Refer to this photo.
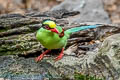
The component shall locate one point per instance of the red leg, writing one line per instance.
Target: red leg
(60, 55)
(42, 55)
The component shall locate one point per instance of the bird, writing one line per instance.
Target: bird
(52, 36)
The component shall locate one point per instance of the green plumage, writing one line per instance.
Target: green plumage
(52, 36)
(51, 40)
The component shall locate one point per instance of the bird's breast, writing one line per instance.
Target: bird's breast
(50, 40)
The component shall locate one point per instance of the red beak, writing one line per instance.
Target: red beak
(54, 30)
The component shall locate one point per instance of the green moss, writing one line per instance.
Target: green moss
(2, 30)
(9, 53)
(9, 49)
(18, 45)
(79, 76)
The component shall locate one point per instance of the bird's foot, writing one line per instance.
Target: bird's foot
(41, 56)
(60, 55)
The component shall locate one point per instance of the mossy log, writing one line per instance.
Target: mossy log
(17, 32)
(17, 36)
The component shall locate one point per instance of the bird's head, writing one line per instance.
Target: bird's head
(50, 25)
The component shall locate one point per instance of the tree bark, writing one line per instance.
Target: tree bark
(17, 37)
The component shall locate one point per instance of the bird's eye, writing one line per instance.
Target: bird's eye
(46, 27)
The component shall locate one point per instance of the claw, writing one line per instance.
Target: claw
(41, 56)
(60, 55)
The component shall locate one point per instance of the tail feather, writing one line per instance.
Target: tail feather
(76, 29)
